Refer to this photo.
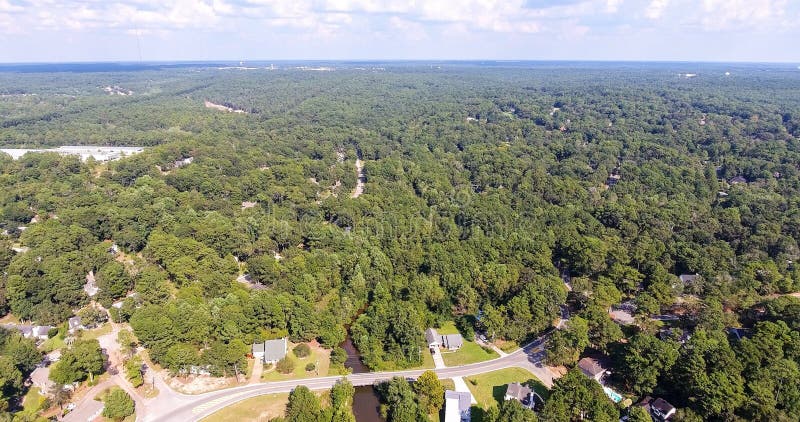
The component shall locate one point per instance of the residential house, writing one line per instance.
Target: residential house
(182, 162)
(40, 331)
(660, 410)
(448, 341)
(689, 279)
(25, 330)
(452, 341)
(456, 406)
(524, 395)
(74, 324)
(592, 368)
(271, 351)
(737, 180)
(433, 338)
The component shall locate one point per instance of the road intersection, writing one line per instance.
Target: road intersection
(170, 405)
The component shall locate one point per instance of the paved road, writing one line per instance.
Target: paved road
(181, 407)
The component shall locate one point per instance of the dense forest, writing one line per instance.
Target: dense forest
(487, 187)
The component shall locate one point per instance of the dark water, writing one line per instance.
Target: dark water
(366, 405)
(353, 358)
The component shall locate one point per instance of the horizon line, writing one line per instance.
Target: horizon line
(378, 60)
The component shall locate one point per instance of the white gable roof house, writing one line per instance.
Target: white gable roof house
(456, 406)
(271, 351)
(446, 341)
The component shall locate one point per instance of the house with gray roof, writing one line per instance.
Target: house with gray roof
(75, 324)
(40, 331)
(433, 338)
(456, 406)
(452, 341)
(271, 351)
(592, 368)
(524, 395)
(447, 341)
(689, 279)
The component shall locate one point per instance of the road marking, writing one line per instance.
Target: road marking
(205, 406)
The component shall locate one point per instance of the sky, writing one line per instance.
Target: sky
(202, 30)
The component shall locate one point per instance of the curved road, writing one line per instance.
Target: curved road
(180, 407)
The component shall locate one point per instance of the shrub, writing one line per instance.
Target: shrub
(118, 404)
(338, 356)
(285, 365)
(301, 350)
(310, 367)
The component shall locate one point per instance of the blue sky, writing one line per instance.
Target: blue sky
(127, 30)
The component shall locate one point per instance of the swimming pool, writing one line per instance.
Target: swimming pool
(613, 395)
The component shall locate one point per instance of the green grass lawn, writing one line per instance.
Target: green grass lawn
(318, 356)
(427, 360)
(470, 352)
(260, 408)
(448, 327)
(489, 388)
(97, 332)
(53, 343)
(33, 401)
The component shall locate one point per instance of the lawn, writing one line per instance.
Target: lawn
(97, 332)
(448, 327)
(53, 343)
(427, 360)
(33, 401)
(261, 408)
(318, 355)
(470, 352)
(489, 388)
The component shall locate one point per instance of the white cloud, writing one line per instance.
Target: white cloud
(656, 9)
(730, 14)
(411, 30)
(365, 17)
(612, 6)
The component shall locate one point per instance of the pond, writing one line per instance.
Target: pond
(366, 406)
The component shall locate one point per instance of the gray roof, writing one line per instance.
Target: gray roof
(258, 348)
(464, 398)
(452, 341)
(432, 336)
(74, 322)
(662, 406)
(518, 391)
(41, 330)
(26, 330)
(689, 278)
(591, 367)
(275, 349)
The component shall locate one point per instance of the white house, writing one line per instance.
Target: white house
(271, 351)
(456, 406)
